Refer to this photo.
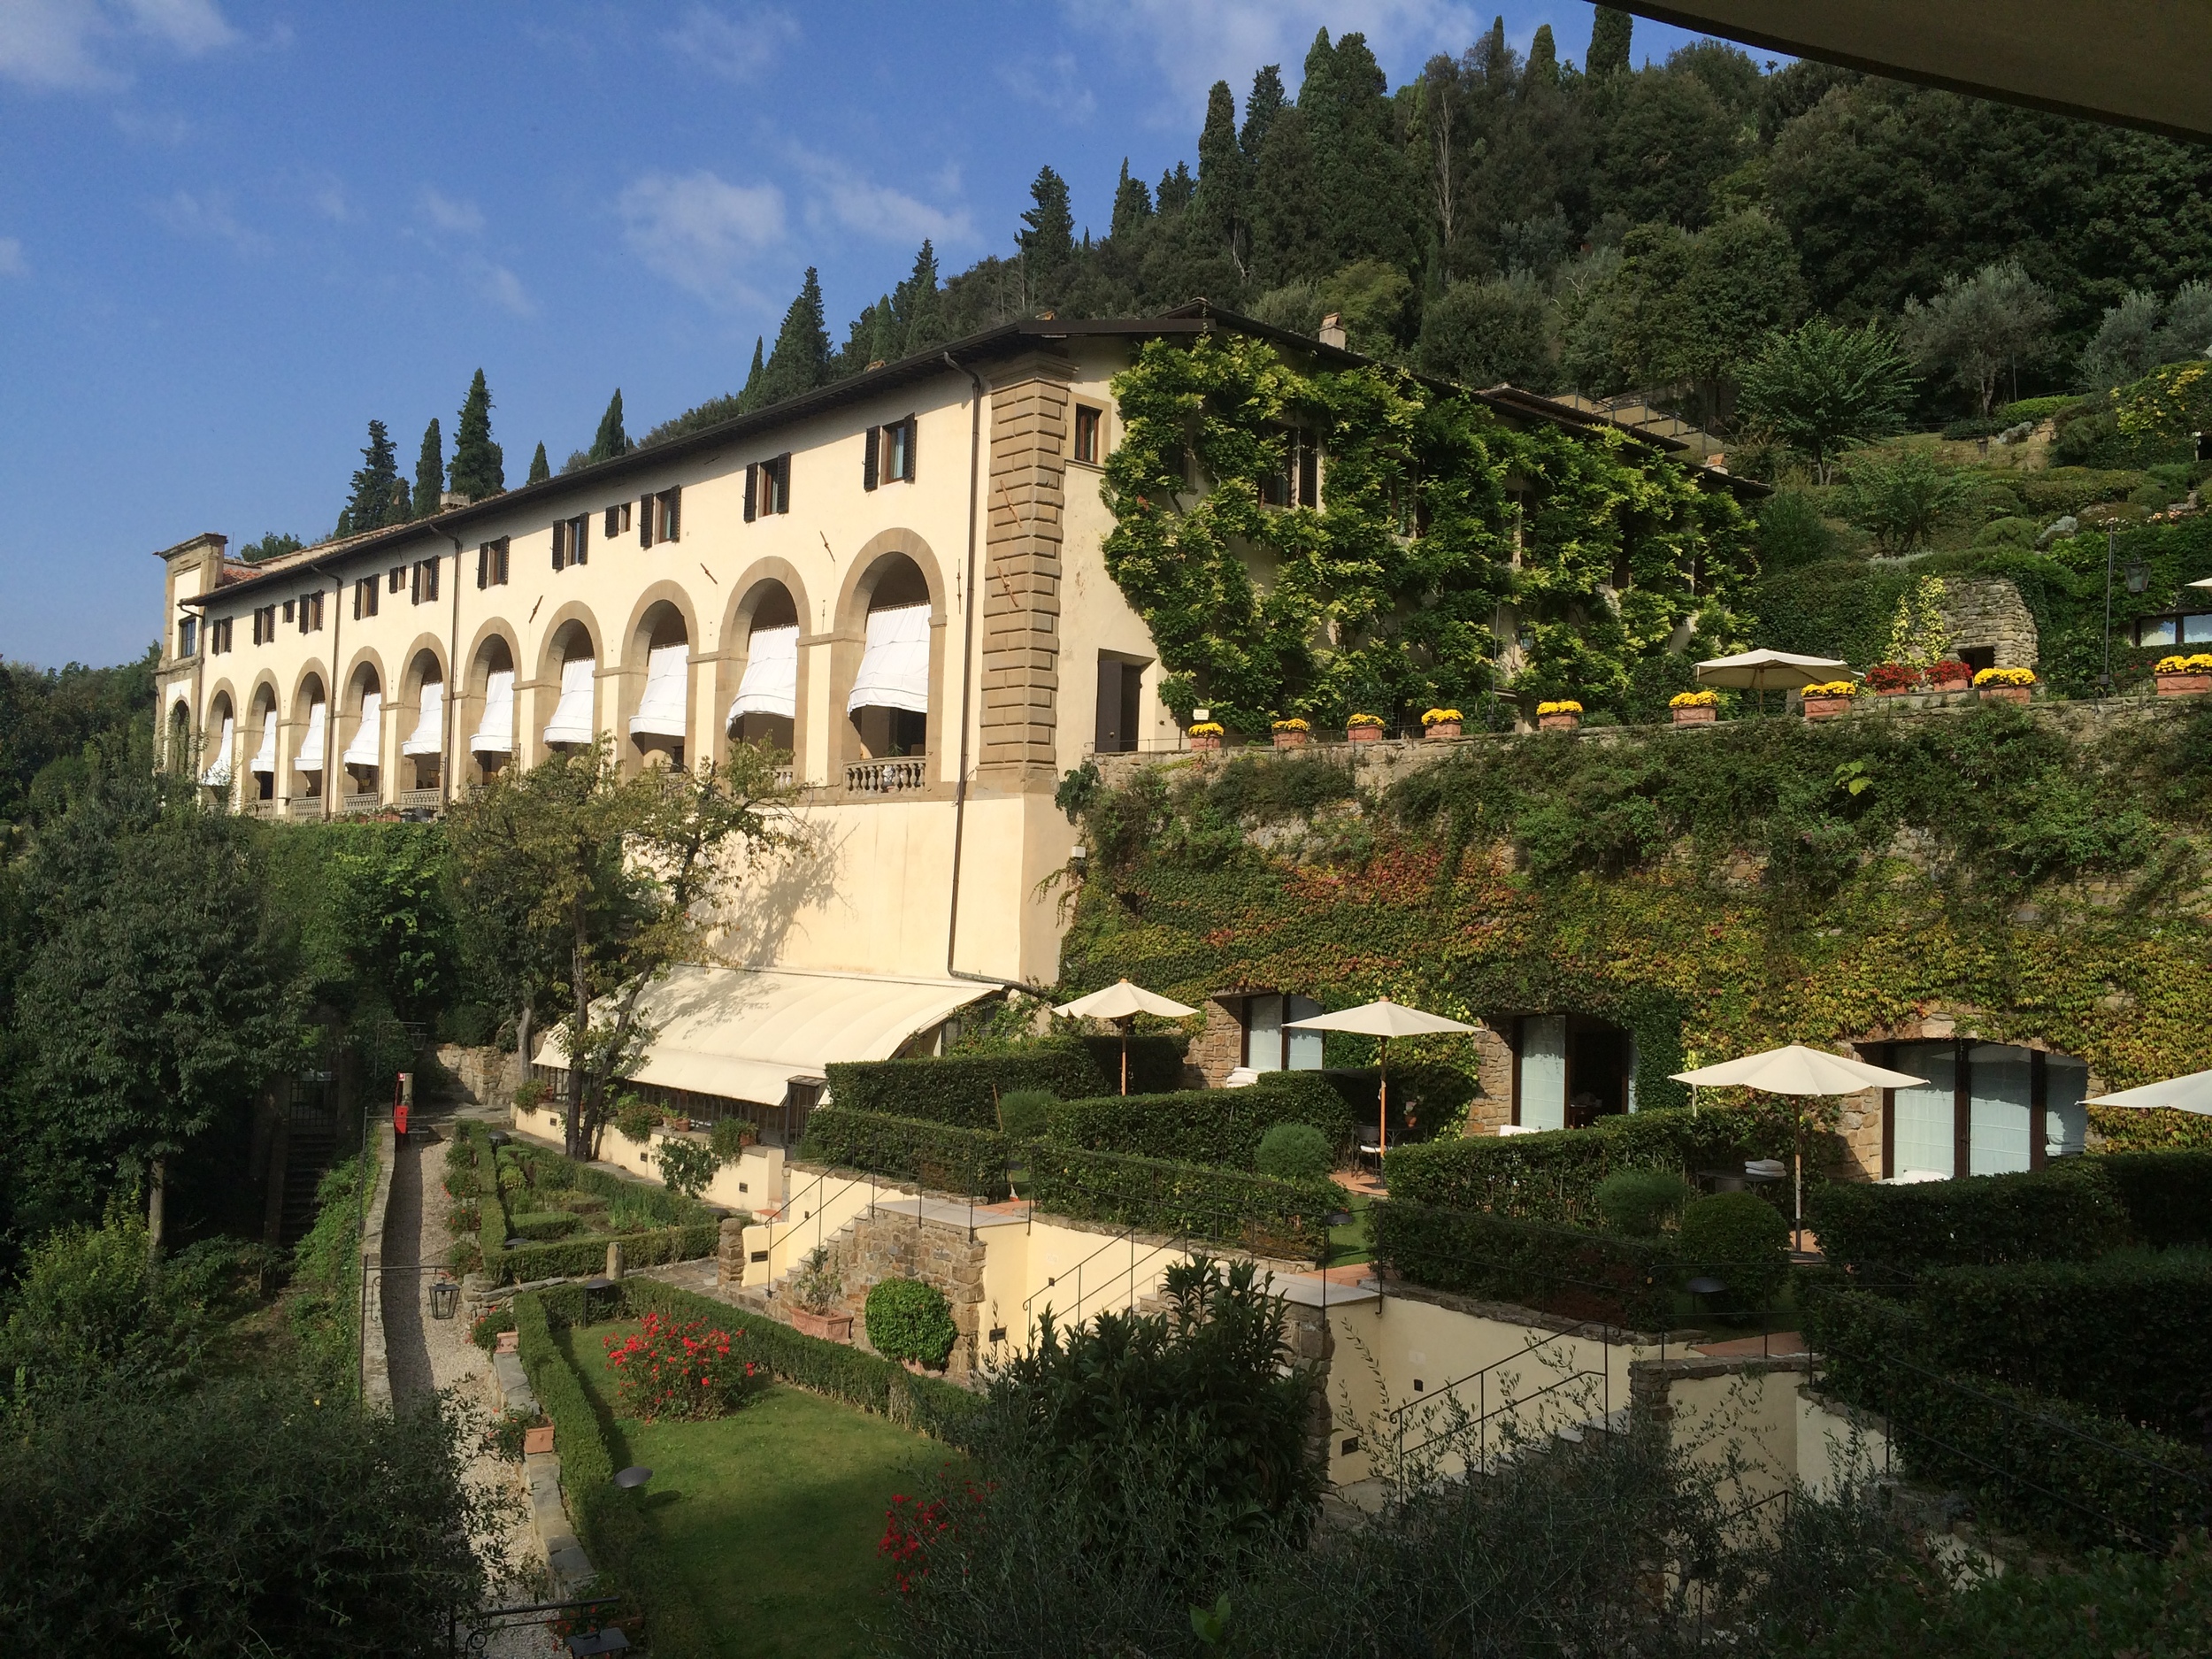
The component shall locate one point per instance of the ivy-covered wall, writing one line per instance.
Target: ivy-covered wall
(1716, 890)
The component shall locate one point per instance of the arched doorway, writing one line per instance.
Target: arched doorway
(422, 751)
(765, 709)
(215, 769)
(889, 705)
(263, 725)
(311, 721)
(361, 766)
(663, 721)
(492, 685)
(573, 722)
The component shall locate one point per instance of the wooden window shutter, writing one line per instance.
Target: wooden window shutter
(613, 524)
(1309, 470)
(580, 539)
(483, 562)
(645, 521)
(868, 458)
(752, 487)
(913, 430)
(673, 502)
(560, 544)
(783, 482)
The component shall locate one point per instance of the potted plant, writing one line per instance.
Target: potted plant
(1291, 733)
(1564, 715)
(1828, 699)
(2005, 685)
(1695, 708)
(1949, 675)
(813, 1290)
(1364, 728)
(1892, 679)
(2184, 676)
(1205, 735)
(1440, 723)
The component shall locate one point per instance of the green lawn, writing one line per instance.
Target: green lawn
(770, 1516)
(1354, 1241)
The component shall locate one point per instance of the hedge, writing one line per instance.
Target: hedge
(1256, 1212)
(1156, 1062)
(2168, 1195)
(1555, 1176)
(2068, 1212)
(1538, 1263)
(940, 1155)
(1220, 1127)
(2034, 1462)
(962, 1091)
(695, 1235)
(578, 1258)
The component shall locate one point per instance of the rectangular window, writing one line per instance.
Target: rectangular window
(426, 581)
(660, 517)
(365, 601)
(617, 521)
(1120, 684)
(1295, 480)
(188, 636)
(768, 488)
(491, 564)
(572, 541)
(287, 609)
(1087, 421)
(265, 623)
(397, 578)
(887, 455)
(312, 612)
(2195, 629)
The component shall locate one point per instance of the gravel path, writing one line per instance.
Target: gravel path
(407, 1295)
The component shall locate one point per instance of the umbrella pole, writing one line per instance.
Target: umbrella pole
(1382, 1100)
(1124, 1052)
(1797, 1178)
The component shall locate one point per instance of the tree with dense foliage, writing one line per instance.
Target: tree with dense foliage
(479, 468)
(429, 471)
(274, 544)
(610, 442)
(1047, 239)
(49, 718)
(541, 468)
(801, 359)
(1821, 389)
(371, 502)
(1981, 327)
(2142, 332)
(595, 884)
(1609, 34)
(1481, 334)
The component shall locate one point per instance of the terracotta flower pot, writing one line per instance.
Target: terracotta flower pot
(1895, 691)
(1291, 740)
(1696, 714)
(1362, 734)
(1558, 722)
(2007, 693)
(830, 1327)
(1826, 708)
(1442, 729)
(2183, 685)
(1205, 741)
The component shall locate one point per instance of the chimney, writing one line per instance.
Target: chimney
(449, 499)
(1333, 331)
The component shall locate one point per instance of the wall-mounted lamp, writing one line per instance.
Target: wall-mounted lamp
(2139, 576)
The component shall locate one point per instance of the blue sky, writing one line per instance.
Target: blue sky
(231, 232)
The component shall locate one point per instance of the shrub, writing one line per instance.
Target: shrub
(504, 1437)
(1293, 1152)
(634, 1121)
(484, 1332)
(542, 1226)
(909, 1319)
(1218, 1126)
(2036, 408)
(686, 1372)
(963, 1090)
(2008, 531)
(815, 1284)
(1792, 532)
(687, 1166)
(1889, 1235)
(940, 1155)
(1536, 1264)
(1639, 1201)
(730, 1137)
(1741, 1239)
(1026, 1113)
(1263, 1215)
(1900, 498)
(2168, 1195)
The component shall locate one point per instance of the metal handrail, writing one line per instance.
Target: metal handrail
(1125, 1236)
(1572, 1330)
(1481, 1424)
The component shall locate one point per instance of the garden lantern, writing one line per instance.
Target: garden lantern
(629, 1480)
(445, 1299)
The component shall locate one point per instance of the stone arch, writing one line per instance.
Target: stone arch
(662, 617)
(571, 632)
(769, 588)
(494, 648)
(222, 704)
(365, 678)
(895, 567)
(425, 664)
(263, 699)
(309, 690)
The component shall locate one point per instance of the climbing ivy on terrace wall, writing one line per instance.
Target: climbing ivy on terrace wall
(1265, 612)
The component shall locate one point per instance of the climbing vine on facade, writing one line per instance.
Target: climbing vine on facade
(1383, 595)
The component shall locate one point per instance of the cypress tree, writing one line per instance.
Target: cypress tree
(1543, 59)
(886, 340)
(801, 359)
(541, 468)
(1177, 187)
(369, 507)
(917, 316)
(1220, 201)
(479, 469)
(1609, 43)
(610, 440)
(748, 394)
(1132, 205)
(429, 471)
(1260, 110)
(1289, 239)
(1048, 237)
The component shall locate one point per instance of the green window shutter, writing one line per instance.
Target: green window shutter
(868, 458)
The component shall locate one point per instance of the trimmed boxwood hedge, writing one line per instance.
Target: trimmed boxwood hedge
(2070, 1212)
(694, 1232)
(942, 1157)
(1156, 1062)
(1257, 1212)
(1544, 1264)
(2168, 1195)
(1220, 1127)
(1555, 1176)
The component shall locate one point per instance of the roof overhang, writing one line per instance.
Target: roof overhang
(2132, 63)
(745, 1033)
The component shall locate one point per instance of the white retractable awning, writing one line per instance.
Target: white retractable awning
(744, 1034)
(429, 737)
(771, 685)
(895, 668)
(660, 710)
(264, 758)
(571, 721)
(496, 731)
(311, 746)
(368, 737)
(217, 772)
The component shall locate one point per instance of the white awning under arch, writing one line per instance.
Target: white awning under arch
(217, 772)
(496, 731)
(264, 758)
(745, 1032)
(311, 746)
(895, 668)
(771, 685)
(429, 737)
(571, 721)
(660, 710)
(368, 737)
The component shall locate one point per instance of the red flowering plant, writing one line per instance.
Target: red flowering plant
(681, 1370)
(1892, 677)
(912, 1527)
(1949, 675)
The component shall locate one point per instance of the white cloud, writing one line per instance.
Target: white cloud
(499, 285)
(74, 43)
(699, 231)
(12, 258)
(1052, 84)
(461, 217)
(840, 195)
(736, 46)
(210, 217)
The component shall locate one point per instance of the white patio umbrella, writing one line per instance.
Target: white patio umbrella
(2189, 1093)
(1383, 1019)
(1797, 1070)
(1765, 671)
(1121, 1003)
